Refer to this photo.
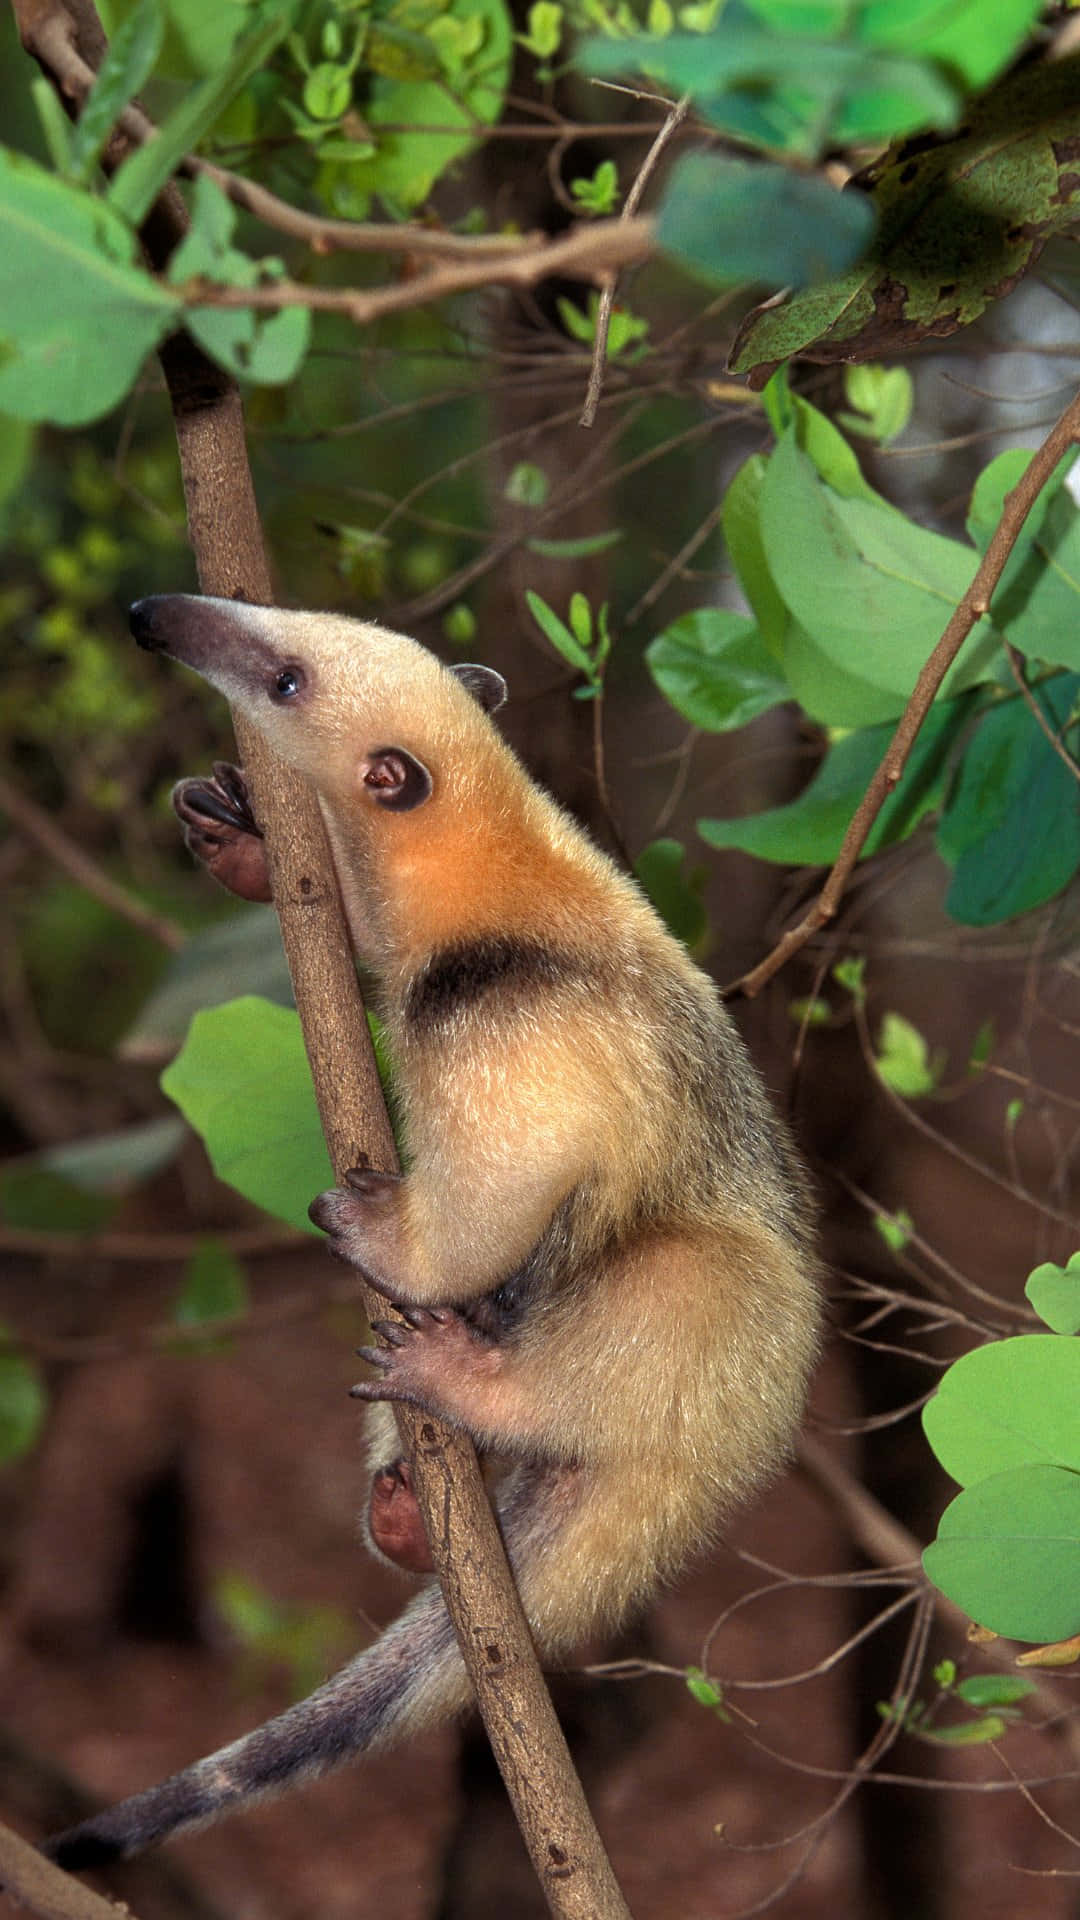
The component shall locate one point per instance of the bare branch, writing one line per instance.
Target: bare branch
(607, 293)
(45, 834)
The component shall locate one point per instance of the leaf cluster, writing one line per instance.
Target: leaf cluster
(847, 598)
(1005, 1423)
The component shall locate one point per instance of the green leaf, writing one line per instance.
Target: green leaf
(809, 830)
(984, 203)
(266, 348)
(965, 1733)
(741, 523)
(136, 185)
(527, 486)
(459, 625)
(558, 633)
(598, 192)
(994, 1689)
(1037, 601)
(903, 1058)
(242, 1081)
(214, 1287)
(1011, 827)
(968, 37)
(579, 549)
(129, 59)
(23, 1403)
(884, 395)
(407, 161)
(870, 593)
(1009, 1404)
(208, 29)
(1054, 1292)
(545, 25)
(79, 317)
(240, 952)
(678, 898)
(705, 1692)
(782, 90)
(738, 223)
(895, 1229)
(33, 1198)
(715, 669)
(1008, 1551)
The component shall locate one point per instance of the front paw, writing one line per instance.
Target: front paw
(429, 1352)
(220, 830)
(360, 1222)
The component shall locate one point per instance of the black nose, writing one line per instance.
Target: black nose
(145, 622)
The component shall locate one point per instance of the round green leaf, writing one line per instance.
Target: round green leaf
(1007, 1405)
(715, 669)
(1054, 1292)
(242, 1081)
(77, 315)
(1008, 1552)
(738, 223)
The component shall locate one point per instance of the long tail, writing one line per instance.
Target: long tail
(412, 1676)
(585, 1545)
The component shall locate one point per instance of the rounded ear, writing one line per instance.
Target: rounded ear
(487, 687)
(395, 779)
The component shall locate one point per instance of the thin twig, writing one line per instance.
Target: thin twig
(36, 825)
(607, 292)
(974, 605)
(1016, 667)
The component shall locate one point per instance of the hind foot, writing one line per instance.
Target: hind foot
(394, 1519)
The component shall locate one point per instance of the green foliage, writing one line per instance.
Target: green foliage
(23, 1402)
(129, 60)
(598, 192)
(706, 1693)
(715, 669)
(303, 1642)
(903, 1059)
(883, 398)
(895, 1229)
(425, 63)
(583, 644)
(793, 80)
(992, 1699)
(1054, 1292)
(268, 348)
(138, 182)
(79, 317)
(848, 598)
(677, 896)
(1005, 1423)
(242, 1081)
(985, 201)
(214, 1287)
(735, 222)
(624, 327)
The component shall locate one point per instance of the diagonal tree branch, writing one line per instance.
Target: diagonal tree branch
(975, 603)
(226, 537)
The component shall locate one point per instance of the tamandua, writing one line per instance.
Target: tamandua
(603, 1244)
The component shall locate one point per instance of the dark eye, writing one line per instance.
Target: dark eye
(287, 683)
